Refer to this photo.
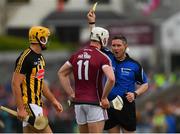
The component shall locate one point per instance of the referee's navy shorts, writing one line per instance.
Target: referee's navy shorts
(126, 118)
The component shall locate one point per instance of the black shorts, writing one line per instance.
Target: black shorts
(126, 118)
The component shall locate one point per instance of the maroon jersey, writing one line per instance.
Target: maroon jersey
(87, 66)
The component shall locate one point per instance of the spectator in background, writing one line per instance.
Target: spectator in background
(88, 66)
(3, 94)
(28, 80)
(128, 73)
(170, 119)
(177, 115)
(159, 121)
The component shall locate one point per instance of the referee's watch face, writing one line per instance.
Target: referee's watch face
(118, 48)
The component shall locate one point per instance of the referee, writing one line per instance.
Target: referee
(128, 74)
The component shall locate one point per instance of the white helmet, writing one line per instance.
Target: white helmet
(100, 34)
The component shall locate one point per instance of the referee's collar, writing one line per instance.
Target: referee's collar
(126, 58)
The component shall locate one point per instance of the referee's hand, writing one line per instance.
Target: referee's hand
(130, 96)
(91, 16)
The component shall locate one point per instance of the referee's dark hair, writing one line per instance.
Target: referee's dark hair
(120, 37)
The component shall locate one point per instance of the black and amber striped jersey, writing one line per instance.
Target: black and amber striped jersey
(32, 65)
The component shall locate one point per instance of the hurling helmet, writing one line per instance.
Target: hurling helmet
(39, 34)
(100, 34)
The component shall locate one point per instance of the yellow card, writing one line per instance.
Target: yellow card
(94, 6)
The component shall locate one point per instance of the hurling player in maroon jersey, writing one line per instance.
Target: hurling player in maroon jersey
(89, 96)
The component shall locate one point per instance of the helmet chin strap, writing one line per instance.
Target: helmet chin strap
(43, 46)
(100, 41)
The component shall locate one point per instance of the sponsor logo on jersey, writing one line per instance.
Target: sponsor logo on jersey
(40, 74)
(35, 63)
(125, 71)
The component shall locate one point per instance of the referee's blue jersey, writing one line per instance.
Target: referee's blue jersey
(128, 73)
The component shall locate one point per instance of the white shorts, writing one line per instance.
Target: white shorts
(89, 114)
(36, 111)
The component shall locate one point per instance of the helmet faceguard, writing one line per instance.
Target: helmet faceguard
(39, 35)
(100, 34)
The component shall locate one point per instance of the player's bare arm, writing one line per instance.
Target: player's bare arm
(17, 79)
(108, 71)
(47, 93)
(63, 75)
(132, 96)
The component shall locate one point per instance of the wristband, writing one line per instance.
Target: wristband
(91, 23)
(135, 95)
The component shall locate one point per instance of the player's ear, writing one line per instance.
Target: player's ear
(127, 49)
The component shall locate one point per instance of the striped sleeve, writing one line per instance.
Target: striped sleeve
(141, 76)
(21, 63)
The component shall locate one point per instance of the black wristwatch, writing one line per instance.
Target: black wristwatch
(92, 23)
(135, 94)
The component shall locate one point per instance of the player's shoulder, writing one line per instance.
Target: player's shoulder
(106, 51)
(133, 61)
(24, 54)
(102, 54)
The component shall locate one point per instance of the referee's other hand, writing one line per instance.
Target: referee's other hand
(130, 96)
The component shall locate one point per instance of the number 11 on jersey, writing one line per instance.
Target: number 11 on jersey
(81, 63)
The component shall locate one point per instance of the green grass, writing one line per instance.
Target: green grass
(10, 43)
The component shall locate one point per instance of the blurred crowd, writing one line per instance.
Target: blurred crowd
(161, 113)
(158, 115)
